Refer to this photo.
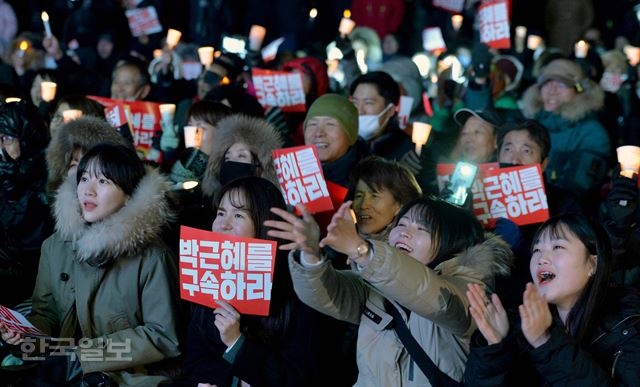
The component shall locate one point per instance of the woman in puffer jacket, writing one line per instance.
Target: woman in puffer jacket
(572, 329)
(420, 275)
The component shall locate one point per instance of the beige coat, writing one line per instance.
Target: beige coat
(440, 319)
(130, 300)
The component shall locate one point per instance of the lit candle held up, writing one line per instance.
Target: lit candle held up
(71, 114)
(24, 45)
(206, 56)
(48, 91)
(534, 42)
(313, 14)
(256, 37)
(167, 112)
(420, 135)
(521, 33)
(47, 26)
(192, 137)
(346, 24)
(629, 159)
(456, 22)
(581, 48)
(173, 37)
(12, 99)
(633, 55)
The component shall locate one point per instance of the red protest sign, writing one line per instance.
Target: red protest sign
(279, 88)
(217, 266)
(494, 24)
(301, 179)
(515, 193)
(144, 120)
(454, 6)
(143, 21)
(16, 322)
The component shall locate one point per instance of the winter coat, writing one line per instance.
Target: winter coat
(579, 143)
(24, 207)
(260, 137)
(339, 171)
(393, 144)
(440, 320)
(611, 356)
(82, 134)
(112, 280)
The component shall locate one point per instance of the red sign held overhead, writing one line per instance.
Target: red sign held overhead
(495, 24)
(279, 88)
(515, 193)
(224, 267)
(143, 21)
(301, 179)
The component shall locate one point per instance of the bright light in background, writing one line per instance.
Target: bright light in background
(233, 45)
(313, 13)
(346, 13)
(333, 52)
(450, 61)
(423, 63)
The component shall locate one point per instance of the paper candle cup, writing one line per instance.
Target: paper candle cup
(456, 21)
(48, 91)
(206, 56)
(581, 48)
(173, 37)
(629, 159)
(346, 24)
(47, 26)
(71, 114)
(534, 42)
(167, 111)
(192, 137)
(521, 32)
(633, 54)
(420, 135)
(256, 37)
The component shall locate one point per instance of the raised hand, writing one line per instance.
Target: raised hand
(303, 233)
(490, 316)
(228, 322)
(535, 316)
(342, 235)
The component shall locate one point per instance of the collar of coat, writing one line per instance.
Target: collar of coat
(488, 259)
(125, 232)
(589, 101)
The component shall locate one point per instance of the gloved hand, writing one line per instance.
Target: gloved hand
(411, 160)
(622, 200)
(169, 140)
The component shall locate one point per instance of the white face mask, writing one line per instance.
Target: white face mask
(369, 124)
(611, 81)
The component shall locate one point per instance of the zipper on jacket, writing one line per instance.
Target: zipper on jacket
(616, 356)
(612, 329)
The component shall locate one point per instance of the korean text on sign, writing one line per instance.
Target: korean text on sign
(143, 21)
(223, 267)
(494, 24)
(300, 176)
(279, 88)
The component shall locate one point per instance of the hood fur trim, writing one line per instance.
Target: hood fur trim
(260, 136)
(489, 258)
(589, 101)
(83, 133)
(125, 232)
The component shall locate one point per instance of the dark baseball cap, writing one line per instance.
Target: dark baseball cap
(489, 116)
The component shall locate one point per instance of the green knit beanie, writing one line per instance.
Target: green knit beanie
(340, 108)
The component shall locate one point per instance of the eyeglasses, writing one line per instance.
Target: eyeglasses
(7, 140)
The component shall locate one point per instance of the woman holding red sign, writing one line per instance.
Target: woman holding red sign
(287, 348)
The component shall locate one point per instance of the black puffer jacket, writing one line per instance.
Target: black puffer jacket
(24, 212)
(612, 357)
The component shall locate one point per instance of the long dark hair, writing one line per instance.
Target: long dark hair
(260, 195)
(586, 312)
(452, 229)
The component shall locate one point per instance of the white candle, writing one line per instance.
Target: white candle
(173, 37)
(629, 159)
(48, 91)
(71, 114)
(192, 137)
(346, 24)
(420, 135)
(24, 45)
(167, 112)
(456, 21)
(256, 37)
(534, 42)
(521, 33)
(581, 48)
(47, 26)
(206, 56)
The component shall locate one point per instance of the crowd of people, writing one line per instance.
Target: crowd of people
(399, 285)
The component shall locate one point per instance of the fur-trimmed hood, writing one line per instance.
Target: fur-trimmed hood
(589, 101)
(260, 136)
(488, 259)
(125, 232)
(83, 133)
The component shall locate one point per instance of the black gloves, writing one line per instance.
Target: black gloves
(622, 200)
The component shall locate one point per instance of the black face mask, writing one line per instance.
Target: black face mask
(232, 170)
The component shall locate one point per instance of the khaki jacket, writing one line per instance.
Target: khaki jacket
(440, 320)
(127, 303)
